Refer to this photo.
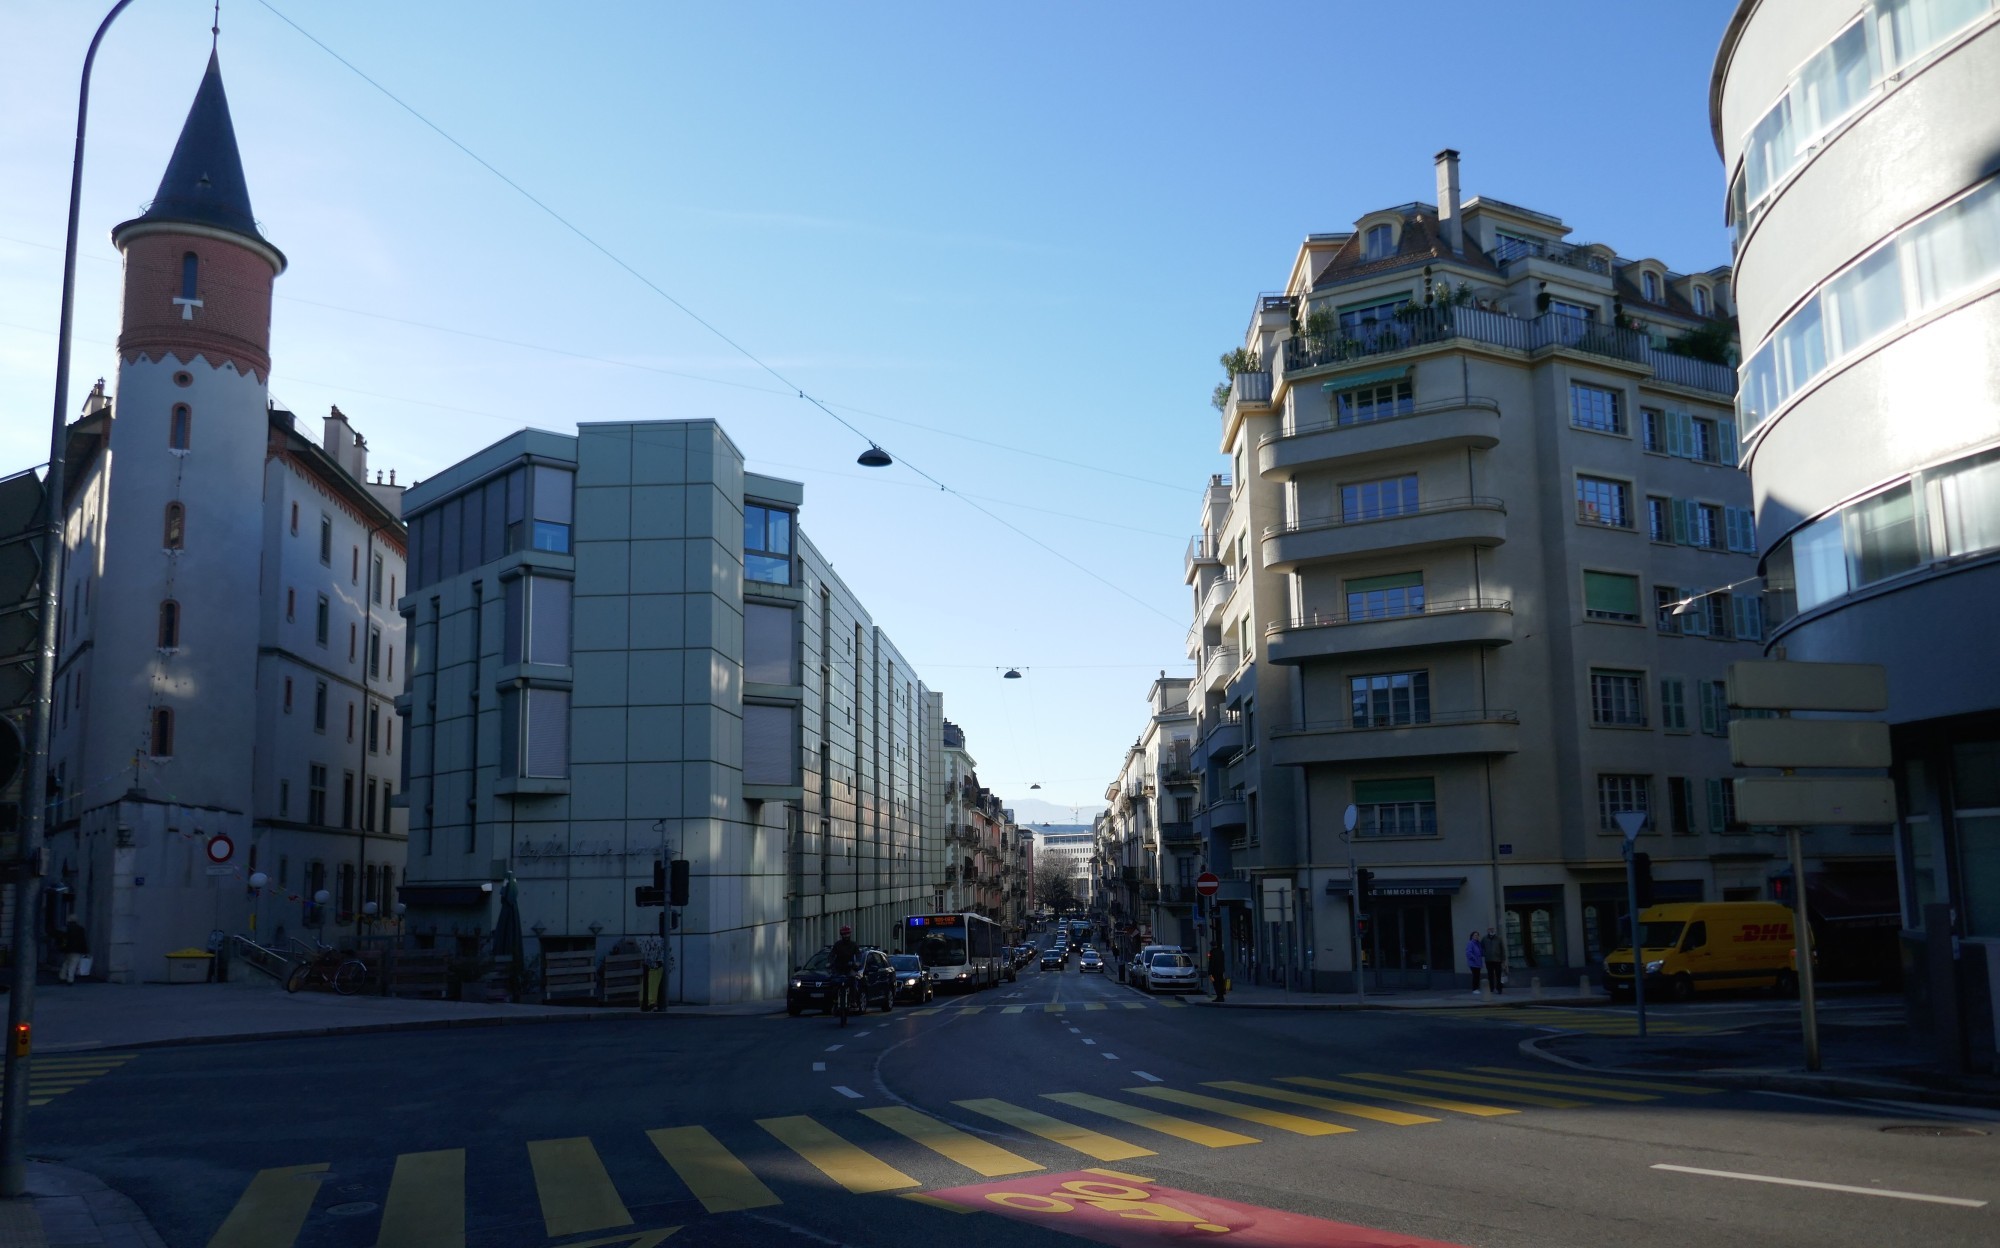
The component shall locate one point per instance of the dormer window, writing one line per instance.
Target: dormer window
(1701, 300)
(1378, 242)
(1651, 284)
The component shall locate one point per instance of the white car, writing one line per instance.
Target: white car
(1138, 974)
(1172, 972)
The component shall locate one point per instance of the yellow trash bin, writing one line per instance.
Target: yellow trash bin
(188, 966)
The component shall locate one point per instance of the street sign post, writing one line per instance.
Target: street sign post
(1630, 822)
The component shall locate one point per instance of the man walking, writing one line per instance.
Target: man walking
(1494, 954)
(1218, 971)
(75, 948)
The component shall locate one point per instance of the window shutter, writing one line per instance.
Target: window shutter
(1741, 526)
(1718, 814)
(1681, 522)
(1726, 435)
(1708, 706)
(1680, 434)
(1752, 628)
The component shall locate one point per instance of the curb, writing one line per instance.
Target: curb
(1389, 1008)
(76, 1209)
(1805, 1082)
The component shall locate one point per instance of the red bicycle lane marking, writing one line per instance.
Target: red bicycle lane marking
(1127, 1211)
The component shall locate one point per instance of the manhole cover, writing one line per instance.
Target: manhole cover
(353, 1207)
(1932, 1130)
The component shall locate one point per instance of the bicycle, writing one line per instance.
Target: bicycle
(844, 1002)
(328, 970)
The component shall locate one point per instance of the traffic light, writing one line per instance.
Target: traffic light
(1642, 879)
(1364, 879)
(677, 895)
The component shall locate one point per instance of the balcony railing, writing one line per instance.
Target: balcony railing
(1250, 388)
(1569, 255)
(1681, 370)
(1372, 724)
(1202, 548)
(1293, 428)
(1556, 329)
(1329, 619)
(1477, 502)
(1616, 517)
(1218, 662)
(1218, 593)
(1217, 719)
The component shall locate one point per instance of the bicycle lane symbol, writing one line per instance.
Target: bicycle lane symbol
(1127, 1211)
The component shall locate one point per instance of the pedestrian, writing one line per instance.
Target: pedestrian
(1218, 972)
(75, 947)
(1494, 953)
(1475, 958)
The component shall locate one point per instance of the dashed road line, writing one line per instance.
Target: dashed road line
(847, 1092)
(1826, 1187)
(1148, 1078)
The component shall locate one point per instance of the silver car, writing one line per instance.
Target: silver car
(1172, 972)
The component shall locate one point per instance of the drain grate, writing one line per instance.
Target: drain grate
(1938, 1129)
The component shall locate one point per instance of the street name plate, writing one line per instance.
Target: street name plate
(1808, 743)
(1811, 801)
(1770, 685)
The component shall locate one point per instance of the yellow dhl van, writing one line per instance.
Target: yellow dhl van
(1696, 946)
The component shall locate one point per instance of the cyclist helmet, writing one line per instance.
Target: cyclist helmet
(847, 931)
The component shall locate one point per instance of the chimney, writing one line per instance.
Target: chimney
(96, 401)
(1450, 228)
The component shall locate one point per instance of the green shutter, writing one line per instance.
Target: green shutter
(1708, 706)
(1382, 792)
(1398, 580)
(1726, 435)
(1608, 593)
(1681, 523)
(1718, 814)
(1680, 434)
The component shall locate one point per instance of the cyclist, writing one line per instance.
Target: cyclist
(844, 959)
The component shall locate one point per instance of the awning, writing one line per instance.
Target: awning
(1372, 378)
(445, 894)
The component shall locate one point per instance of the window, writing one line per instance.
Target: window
(1379, 597)
(1618, 793)
(354, 566)
(1611, 596)
(1722, 805)
(350, 721)
(368, 825)
(1617, 699)
(1747, 614)
(346, 799)
(1595, 407)
(767, 544)
(1882, 537)
(326, 540)
(1575, 311)
(554, 497)
(374, 651)
(538, 621)
(190, 275)
(1673, 704)
(1374, 500)
(1969, 506)
(1651, 285)
(1600, 500)
(1653, 428)
(1665, 599)
(170, 625)
(288, 695)
(319, 706)
(770, 745)
(163, 732)
(284, 809)
(769, 651)
(291, 605)
(391, 666)
(176, 527)
(180, 427)
(534, 733)
(1705, 526)
(295, 519)
(1359, 320)
(1715, 712)
(388, 804)
(1680, 806)
(344, 897)
(375, 579)
(1660, 519)
(1390, 698)
(322, 620)
(1362, 404)
(1379, 242)
(1395, 808)
(1701, 300)
(353, 636)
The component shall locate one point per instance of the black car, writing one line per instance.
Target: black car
(811, 987)
(1052, 960)
(914, 981)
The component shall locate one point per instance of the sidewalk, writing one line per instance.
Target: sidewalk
(1857, 1059)
(1262, 997)
(70, 1209)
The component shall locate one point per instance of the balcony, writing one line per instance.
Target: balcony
(1202, 552)
(1585, 256)
(1444, 734)
(1681, 370)
(1476, 521)
(1249, 390)
(1179, 895)
(1445, 425)
(1460, 622)
(1225, 816)
(1218, 663)
(1179, 833)
(1214, 600)
(1223, 735)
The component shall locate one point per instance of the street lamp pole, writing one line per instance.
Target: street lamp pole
(35, 780)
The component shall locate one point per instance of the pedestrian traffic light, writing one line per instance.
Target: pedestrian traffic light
(1364, 879)
(1642, 879)
(678, 894)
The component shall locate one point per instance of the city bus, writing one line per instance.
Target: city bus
(962, 950)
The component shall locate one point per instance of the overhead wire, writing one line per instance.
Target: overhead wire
(698, 319)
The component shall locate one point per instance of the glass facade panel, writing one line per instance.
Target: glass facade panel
(1819, 563)
(1970, 499)
(1374, 500)
(1866, 300)
(1882, 536)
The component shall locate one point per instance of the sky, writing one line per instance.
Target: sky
(1006, 241)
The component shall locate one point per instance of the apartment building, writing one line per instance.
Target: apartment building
(223, 753)
(626, 647)
(1863, 156)
(1145, 838)
(1479, 565)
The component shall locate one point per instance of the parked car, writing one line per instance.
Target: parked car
(1172, 971)
(1052, 960)
(914, 981)
(1007, 967)
(1091, 961)
(1026, 954)
(1139, 972)
(811, 985)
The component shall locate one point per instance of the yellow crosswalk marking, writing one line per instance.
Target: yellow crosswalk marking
(575, 1189)
(1394, 1117)
(971, 1009)
(1540, 1085)
(1641, 1084)
(851, 1167)
(272, 1209)
(1055, 1130)
(1519, 1098)
(1166, 1124)
(720, 1182)
(1133, 1005)
(1401, 1098)
(1174, 1005)
(1053, 1007)
(1294, 1123)
(923, 1013)
(425, 1207)
(1096, 1005)
(1012, 1009)
(948, 1141)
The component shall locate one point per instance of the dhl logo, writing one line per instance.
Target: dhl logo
(1757, 933)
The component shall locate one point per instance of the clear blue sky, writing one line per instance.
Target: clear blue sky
(1007, 240)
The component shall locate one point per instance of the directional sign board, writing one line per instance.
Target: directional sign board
(1773, 685)
(1811, 801)
(1809, 743)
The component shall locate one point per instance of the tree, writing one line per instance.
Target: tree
(1054, 886)
(1234, 362)
(1714, 341)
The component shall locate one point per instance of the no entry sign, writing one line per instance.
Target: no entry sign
(1207, 883)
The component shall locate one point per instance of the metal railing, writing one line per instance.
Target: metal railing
(1569, 255)
(1477, 502)
(1218, 593)
(1577, 333)
(271, 961)
(1202, 548)
(1250, 387)
(1331, 619)
(1609, 517)
(1220, 719)
(1430, 719)
(1224, 658)
(1320, 425)
(1683, 370)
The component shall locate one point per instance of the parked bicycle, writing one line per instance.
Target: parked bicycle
(328, 970)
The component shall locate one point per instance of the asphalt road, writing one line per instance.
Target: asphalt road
(1063, 1108)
